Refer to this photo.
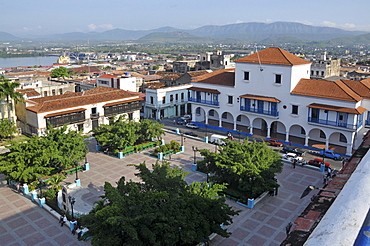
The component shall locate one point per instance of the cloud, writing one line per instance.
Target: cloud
(346, 26)
(93, 27)
(30, 29)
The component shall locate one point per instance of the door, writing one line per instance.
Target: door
(315, 115)
(342, 119)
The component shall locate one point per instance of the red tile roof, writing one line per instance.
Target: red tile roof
(358, 110)
(326, 89)
(29, 92)
(220, 77)
(262, 98)
(274, 56)
(362, 87)
(107, 76)
(75, 99)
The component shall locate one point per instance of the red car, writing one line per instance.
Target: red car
(274, 142)
(317, 163)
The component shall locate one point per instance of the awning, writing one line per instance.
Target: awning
(261, 98)
(204, 90)
(358, 110)
(64, 112)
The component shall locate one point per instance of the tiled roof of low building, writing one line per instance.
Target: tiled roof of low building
(198, 73)
(75, 99)
(275, 56)
(30, 92)
(108, 76)
(220, 77)
(169, 75)
(326, 89)
(358, 110)
(362, 87)
(86, 69)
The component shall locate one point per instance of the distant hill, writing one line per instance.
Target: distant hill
(250, 32)
(5, 37)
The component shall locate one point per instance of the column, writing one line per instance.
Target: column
(268, 132)
(326, 143)
(251, 130)
(349, 149)
(234, 125)
(220, 122)
(286, 136)
(306, 140)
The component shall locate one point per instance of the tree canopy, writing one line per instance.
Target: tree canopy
(161, 210)
(41, 156)
(61, 72)
(7, 128)
(237, 163)
(8, 92)
(122, 133)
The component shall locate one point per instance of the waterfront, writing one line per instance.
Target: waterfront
(27, 61)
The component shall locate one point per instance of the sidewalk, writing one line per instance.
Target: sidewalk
(262, 225)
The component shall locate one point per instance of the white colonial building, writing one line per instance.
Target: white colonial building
(167, 102)
(81, 111)
(271, 93)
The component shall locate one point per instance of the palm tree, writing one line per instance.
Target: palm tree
(8, 92)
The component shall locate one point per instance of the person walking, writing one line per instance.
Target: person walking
(294, 163)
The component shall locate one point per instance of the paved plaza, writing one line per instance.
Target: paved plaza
(24, 223)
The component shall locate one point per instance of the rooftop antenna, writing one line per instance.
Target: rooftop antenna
(259, 60)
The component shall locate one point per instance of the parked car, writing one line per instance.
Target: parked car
(180, 121)
(297, 151)
(186, 117)
(191, 134)
(317, 163)
(291, 157)
(217, 139)
(273, 142)
(192, 125)
(330, 154)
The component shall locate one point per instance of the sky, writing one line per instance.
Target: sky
(39, 17)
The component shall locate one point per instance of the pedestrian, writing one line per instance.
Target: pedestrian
(74, 228)
(290, 143)
(61, 219)
(276, 190)
(184, 139)
(304, 162)
(324, 180)
(18, 186)
(64, 220)
(294, 163)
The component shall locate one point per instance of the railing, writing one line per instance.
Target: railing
(332, 123)
(66, 119)
(214, 103)
(258, 111)
(94, 115)
(122, 108)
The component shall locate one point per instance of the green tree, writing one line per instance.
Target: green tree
(60, 72)
(41, 156)
(161, 210)
(7, 128)
(149, 129)
(179, 58)
(8, 92)
(119, 134)
(237, 162)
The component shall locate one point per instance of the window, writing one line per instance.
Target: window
(60, 91)
(342, 138)
(151, 100)
(80, 127)
(163, 100)
(177, 97)
(246, 75)
(53, 92)
(312, 72)
(230, 99)
(45, 93)
(322, 73)
(171, 98)
(278, 78)
(197, 111)
(211, 113)
(103, 82)
(182, 96)
(294, 109)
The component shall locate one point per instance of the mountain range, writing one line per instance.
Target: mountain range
(250, 32)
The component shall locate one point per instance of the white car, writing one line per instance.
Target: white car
(186, 117)
(292, 156)
(192, 125)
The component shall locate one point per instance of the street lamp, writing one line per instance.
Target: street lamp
(182, 139)
(76, 167)
(180, 235)
(251, 181)
(195, 149)
(41, 181)
(72, 201)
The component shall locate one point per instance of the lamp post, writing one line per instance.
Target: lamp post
(72, 201)
(76, 167)
(195, 149)
(182, 139)
(180, 235)
(41, 181)
(251, 181)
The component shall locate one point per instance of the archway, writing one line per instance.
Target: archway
(243, 123)
(317, 138)
(213, 117)
(278, 130)
(259, 126)
(227, 120)
(297, 134)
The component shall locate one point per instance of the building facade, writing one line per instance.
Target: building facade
(81, 111)
(270, 93)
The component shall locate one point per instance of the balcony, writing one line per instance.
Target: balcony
(60, 120)
(259, 111)
(94, 115)
(122, 108)
(213, 103)
(334, 123)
